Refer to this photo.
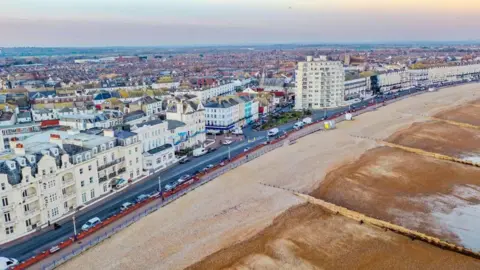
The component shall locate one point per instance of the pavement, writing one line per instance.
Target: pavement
(27, 247)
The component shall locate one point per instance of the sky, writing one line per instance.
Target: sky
(206, 22)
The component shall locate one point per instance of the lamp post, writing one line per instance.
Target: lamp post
(159, 184)
(74, 226)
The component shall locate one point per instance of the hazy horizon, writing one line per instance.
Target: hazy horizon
(149, 23)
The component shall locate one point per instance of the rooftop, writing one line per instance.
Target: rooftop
(159, 149)
(173, 124)
(150, 123)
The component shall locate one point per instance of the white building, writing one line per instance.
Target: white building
(44, 114)
(319, 84)
(50, 175)
(88, 121)
(357, 88)
(393, 81)
(151, 133)
(191, 113)
(205, 93)
(231, 112)
(159, 158)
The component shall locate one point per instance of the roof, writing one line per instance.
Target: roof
(24, 115)
(173, 124)
(150, 123)
(159, 149)
(122, 134)
(133, 115)
(5, 116)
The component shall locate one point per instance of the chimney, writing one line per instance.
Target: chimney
(109, 133)
(56, 139)
(19, 149)
(13, 142)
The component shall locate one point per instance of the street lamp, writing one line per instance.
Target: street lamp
(74, 226)
(159, 184)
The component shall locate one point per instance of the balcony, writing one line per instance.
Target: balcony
(68, 182)
(111, 163)
(69, 195)
(111, 175)
(30, 198)
(122, 170)
(32, 212)
(12, 221)
(102, 179)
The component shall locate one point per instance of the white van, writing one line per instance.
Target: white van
(91, 223)
(237, 131)
(6, 263)
(273, 132)
(307, 120)
(199, 152)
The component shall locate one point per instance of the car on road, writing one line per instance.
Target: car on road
(183, 178)
(273, 132)
(141, 198)
(209, 166)
(6, 263)
(125, 206)
(91, 223)
(185, 160)
(170, 186)
(227, 142)
(120, 183)
(246, 149)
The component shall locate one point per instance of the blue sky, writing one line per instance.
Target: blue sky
(191, 22)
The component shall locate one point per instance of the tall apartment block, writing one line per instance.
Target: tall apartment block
(319, 84)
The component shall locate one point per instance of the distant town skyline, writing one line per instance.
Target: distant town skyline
(205, 22)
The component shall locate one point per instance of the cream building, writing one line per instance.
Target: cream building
(319, 84)
(45, 178)
(191, 112)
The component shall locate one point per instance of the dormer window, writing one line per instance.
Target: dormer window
(111, 144)
(12, 166)
(94, 150)
(79, 159)
(102, 147)
(87, 155)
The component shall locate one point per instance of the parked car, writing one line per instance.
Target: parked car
(209, 166)
(227, 142)
(6, 263)
(273, 132)
(141, 198)
(185, 160)
(211, 150)
(91, 223)
(298, 125)
(246, 149)
(237, 131)
(120, 183)
(170, 186)
(183, 178)
(125, 206)
(199, 152)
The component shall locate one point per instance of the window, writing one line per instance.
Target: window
(105, 160)
(43, 172)
(131, 174)
(24, 193)
(28, 222)
(92, 193)
(82, 183)
(84, 197)
(26, 207)
(3, 186)
(51, 169)
(130, 151)
(130, 162)
(7, 217)
(46, 201)
(4, 201)
(44, 185)
(9, 230)
(55, 211)
(113, 156)
(136, 149)
(81, 170)
(95, 151)
(137, 159)
(138, 172)
(105, 188)
(26, 178)
(91, 180)
(89, 167)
